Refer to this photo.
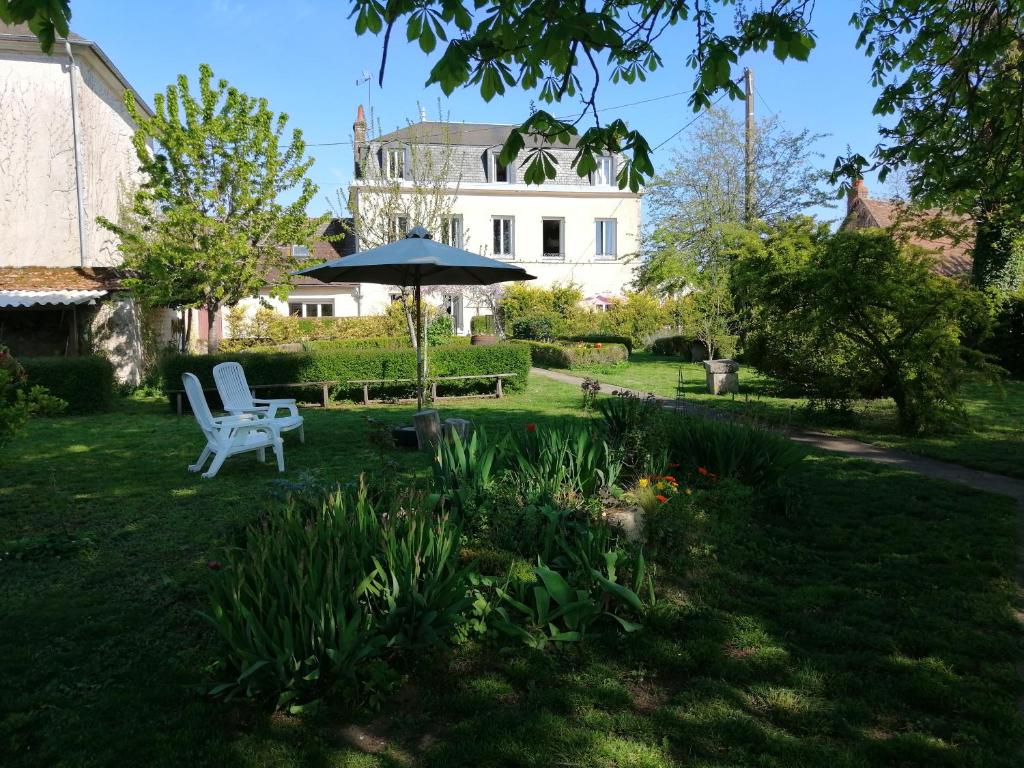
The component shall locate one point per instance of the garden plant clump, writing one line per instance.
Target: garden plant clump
(331, 595)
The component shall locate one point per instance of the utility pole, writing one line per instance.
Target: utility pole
(748, 165)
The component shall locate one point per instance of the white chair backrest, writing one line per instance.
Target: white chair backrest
(232, 386)
(196, 399)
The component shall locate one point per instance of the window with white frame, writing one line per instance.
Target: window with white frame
(300, 252)
(604, 175)
(604, 239)
(499, 172)
(451, 231)
(399, 227)
(503, 241)
(311, 308)
(553, 239)
(395, 163)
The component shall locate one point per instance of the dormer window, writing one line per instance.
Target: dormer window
(497, 171)
(395, 163)
(300, 251)
(604, 174)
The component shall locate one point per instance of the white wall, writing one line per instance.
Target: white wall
(38, 199)
(578, 205)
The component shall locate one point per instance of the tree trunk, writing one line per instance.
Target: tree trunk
(211, 319)
(409, 322)
(186, 330)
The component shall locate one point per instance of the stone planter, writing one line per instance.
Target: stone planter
(722, 376)
(483, 339)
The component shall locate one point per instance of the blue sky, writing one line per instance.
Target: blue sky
(305, 58)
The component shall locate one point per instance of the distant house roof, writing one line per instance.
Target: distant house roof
(324, 250)
(952, 255)
(456, 134)
(21, 33)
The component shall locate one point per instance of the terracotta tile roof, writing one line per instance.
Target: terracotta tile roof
(324, 250)
(58, 279)
(952, 254)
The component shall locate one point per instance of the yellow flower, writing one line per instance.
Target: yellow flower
(644, 482)
(689, 492)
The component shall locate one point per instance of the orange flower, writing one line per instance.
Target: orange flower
(702, 471)
(599, 345)
(531, 427)
(661, 498)
(670, 479)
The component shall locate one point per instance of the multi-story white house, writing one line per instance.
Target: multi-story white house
(448, 177)
(66, 157)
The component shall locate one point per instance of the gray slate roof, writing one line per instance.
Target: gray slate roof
(456, 134)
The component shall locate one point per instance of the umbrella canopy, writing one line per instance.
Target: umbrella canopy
(416, 261)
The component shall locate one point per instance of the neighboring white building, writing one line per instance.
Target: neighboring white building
(66, 157)
(568, 230)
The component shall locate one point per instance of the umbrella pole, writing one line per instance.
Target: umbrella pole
(419, 348)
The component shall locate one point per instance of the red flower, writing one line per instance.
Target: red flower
(213, 565)
(670, 479)
(702, 471)
(531, 427)
(674, 465)
(661, 498)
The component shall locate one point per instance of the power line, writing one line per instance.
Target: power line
(698, 117)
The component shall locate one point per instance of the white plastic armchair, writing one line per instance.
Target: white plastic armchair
(238, 400)
(230, 435)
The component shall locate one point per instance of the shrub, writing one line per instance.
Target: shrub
(537, 328)
(633, 427)
(816, 322)
(752, 455)
(672, 346)
(565, 355)
(345, 365)
(439, 330)
(266, 326)
(1007, 342)
(19, 399)
(638, 316)
(481, 324)
(557, 306)
(601, 338)
(86, 383)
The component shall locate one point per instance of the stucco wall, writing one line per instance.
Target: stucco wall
(38, 199)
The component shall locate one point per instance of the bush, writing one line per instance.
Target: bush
(639, 316)
(1007, 342)
(752, 455)
(674, 346)
(439, 330)
(539, 328)
(86, 383)
(19, 399)
(601, 338)
(557, 307)
(266, 326)
(564, 355)
(345, 365)
(380, 342)
(482, 324)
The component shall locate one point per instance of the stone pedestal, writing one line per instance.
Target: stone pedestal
(428, 428)
(456, 426)
(722, 376)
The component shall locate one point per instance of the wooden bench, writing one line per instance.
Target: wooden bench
(325, 388)
(498, 378)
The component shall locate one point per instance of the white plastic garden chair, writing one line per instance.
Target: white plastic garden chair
(229, 435)
(238, 400)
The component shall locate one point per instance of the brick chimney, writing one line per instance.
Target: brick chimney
(859, 191)
(358, 140)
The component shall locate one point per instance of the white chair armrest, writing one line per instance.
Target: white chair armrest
(262, 425)
(273, 406)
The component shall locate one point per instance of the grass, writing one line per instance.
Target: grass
(872, 626)
(995, 440)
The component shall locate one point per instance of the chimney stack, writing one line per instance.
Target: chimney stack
(858, 191)
(358, 140)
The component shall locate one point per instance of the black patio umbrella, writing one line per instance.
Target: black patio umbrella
(417, 260)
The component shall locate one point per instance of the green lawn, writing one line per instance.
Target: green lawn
(871, 626)
(994, 442)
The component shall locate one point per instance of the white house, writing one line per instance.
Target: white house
(66, 157)
(568, 230)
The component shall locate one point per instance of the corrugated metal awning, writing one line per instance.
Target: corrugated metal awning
(36, 298)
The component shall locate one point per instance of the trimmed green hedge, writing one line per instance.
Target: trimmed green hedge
(564, 355)
(673, 345)
(602, 338)
(381, 342)
(86, 383)
(347, 365)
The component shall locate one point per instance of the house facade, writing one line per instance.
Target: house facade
(448, 177)
(66, 157)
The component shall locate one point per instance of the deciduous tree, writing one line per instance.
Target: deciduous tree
(207, 225)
